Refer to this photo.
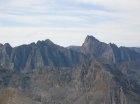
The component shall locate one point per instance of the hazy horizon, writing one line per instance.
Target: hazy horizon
(69, 22)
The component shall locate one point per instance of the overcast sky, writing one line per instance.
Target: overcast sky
(67, 22)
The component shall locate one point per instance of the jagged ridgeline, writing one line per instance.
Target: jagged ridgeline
(46, 73)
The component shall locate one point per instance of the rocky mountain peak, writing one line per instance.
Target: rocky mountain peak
(7, 45)
(7, 48)
(109, 53)
(90, 39)
(93, 46)
(45, 42)
(1, 45)
(49, 41)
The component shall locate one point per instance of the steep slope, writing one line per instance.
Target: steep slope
(5, 53)
(123, 59)
(88, 83)
(108, 53)
(45, 73)
(32, 56)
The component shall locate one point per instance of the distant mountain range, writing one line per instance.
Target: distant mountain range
(46, 73)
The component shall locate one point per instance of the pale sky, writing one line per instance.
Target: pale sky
(68, 22)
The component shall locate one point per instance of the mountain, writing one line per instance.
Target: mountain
(107, 52)
(35, 55)
(89, 83)
(137, 49)
(46, 73)
(124, 59)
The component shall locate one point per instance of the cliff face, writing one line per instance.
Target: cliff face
(33, 56)
(45, 73)
(109, 53)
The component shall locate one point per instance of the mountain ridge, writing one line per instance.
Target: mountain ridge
(109, 52)
(46, 73)
(44, 51)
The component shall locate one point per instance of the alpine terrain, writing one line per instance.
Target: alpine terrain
(46, 73)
